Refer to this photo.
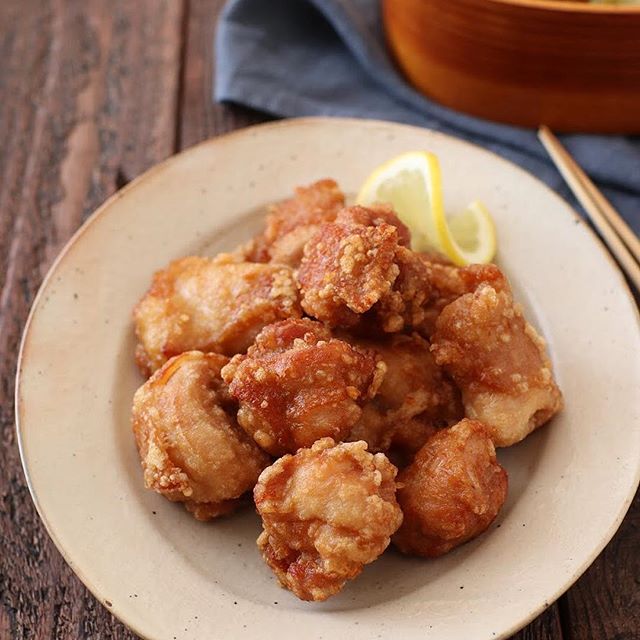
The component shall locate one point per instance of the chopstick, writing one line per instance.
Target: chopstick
(612, 228)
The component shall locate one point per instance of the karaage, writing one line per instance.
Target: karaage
(191, 447)
(360, 265)
(448, 282)
(498, 361)
(404, 306)
(292, 222)
(346, 269)
(210, 305)
(451, 492)
(289, 249)
(399, 347)
(415, 397)
(374, 216)
(326, 512)
(297, 384)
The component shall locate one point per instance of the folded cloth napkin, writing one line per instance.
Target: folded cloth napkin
(328, 57)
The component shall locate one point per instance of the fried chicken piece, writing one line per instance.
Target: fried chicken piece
(375, 427)
(326, 512)
(191, 447)
(404, 306)
(499, 362)
(448, 282)
(292, 222)
(297, 384)
(410, 435)
(289, 249)
(346, 269)
(414, 399)
(451, 492)
(359, 265)
(374, 216)
(433, 256)
(211, 305)
(398, 438)
(414, 384)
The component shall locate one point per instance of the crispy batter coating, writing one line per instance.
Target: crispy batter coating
(191, 447)
(410, 435)
(289, 249)
(359, 265)
(415, 397)
(326, 512)
(448, 282)
(499, 362)
(310, 206)
(414, 384)
(210, 305)
(398, 438)
(374, 216)
(451, 492)
(433, 256)
(404, 306)
(375, 427)
(297, 384)
(346, 269)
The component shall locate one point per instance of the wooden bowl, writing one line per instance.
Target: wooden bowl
(570, 65)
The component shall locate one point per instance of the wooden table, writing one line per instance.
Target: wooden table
(92, 93)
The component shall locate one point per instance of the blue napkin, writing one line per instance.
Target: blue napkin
(328, 57)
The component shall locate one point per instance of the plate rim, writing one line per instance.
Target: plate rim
(102, 209)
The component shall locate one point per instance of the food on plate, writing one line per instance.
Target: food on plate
(346, 268)
(359, 265)
(210, 305)
(297, 384)
(498, 361)
(404, 307)
(412, 184)
(191, 447)
(451, 492)
(327, 511)
(415, 397)
(291, 223)
(329, 343)
(374, 216)
(414, 384)
(449, 282)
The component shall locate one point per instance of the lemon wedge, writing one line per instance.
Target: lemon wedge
(412, 184)
(469, 237)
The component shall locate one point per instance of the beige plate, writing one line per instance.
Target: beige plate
(168, 576)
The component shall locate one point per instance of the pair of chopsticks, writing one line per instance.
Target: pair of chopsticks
(621, 240)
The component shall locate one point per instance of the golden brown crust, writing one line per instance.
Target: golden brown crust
(203, 423)
(359, 265)
(289, 249)
(404, 305)
(310, 206)
(499, 362)
(297, 384)
(374, 216)
(191, 448)
(451, 492)
(210, 305)
(415, 398)
(346, 269)
(448, 282)
(326, 512)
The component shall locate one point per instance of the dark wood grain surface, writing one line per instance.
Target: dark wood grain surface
(92, 93)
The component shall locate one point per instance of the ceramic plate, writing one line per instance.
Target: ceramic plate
(169, 577)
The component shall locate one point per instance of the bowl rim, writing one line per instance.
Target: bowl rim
(566, 6)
